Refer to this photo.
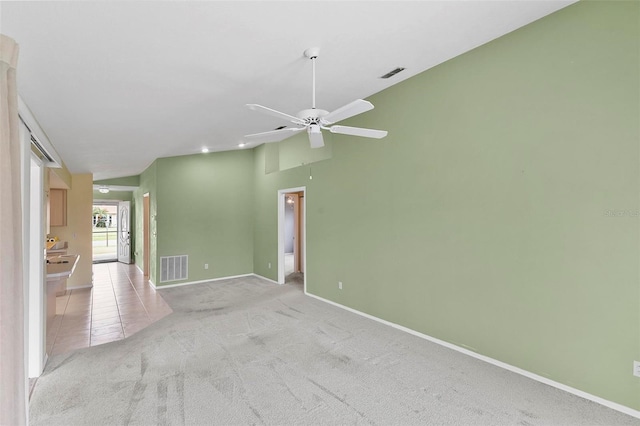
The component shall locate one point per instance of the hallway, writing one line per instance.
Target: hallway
(120, 303)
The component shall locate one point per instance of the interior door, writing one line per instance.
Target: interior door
(124, 232)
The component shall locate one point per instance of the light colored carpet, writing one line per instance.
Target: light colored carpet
(246, 351)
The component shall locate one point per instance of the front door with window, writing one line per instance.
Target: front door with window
(124, 232)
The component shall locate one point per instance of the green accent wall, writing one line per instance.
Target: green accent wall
(500, 214)
(265, 217)
(205, 210)
(121, 181)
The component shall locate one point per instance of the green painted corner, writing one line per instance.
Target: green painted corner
(146, 185)
(205, 206)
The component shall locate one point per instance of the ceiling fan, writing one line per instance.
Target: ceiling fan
(315, 120)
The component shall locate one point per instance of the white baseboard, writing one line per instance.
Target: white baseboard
(139, 269)
(197, 282)
(610, 404)
(266, 279)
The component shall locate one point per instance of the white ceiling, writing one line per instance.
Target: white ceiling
(116, 85)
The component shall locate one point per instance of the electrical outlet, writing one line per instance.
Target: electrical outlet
(269, 265)
(206, 266)
(339, 285)
(636, 368)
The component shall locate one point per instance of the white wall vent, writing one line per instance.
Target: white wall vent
(174, 268)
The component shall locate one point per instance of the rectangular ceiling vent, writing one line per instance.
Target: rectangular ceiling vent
(393, 72)
(174, 268)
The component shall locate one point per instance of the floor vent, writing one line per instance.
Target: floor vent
(174, 268)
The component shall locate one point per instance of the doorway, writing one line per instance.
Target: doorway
(105, 231)
(292, 236)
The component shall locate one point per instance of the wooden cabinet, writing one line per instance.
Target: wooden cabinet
(58, 207)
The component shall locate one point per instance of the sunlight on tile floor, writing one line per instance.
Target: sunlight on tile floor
(120, 303)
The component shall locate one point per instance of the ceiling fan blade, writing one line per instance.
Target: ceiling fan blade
(274, 113)
(349, 110)
(315, 136)
(274, 135)
(359, 131)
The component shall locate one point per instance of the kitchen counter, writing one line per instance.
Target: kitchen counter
(61, 266)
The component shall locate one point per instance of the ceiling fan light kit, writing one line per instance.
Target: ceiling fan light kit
(315, 120)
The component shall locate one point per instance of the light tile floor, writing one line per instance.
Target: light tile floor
(120, 303)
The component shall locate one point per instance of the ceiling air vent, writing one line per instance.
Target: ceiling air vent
(280, 128)
(393, 72)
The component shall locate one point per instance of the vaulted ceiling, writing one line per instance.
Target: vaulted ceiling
(116, 85)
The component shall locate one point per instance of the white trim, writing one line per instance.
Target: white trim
(33, 261)
(139, 268)
(610, 404)
(106, 202)
(266, 279)
(36, 131)
(162, 287)
(153, 285)
(281, 195)
(35, 287)
(78, 287)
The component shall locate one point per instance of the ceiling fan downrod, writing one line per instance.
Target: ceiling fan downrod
(312, 53)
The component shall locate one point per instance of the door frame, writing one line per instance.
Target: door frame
(35, 278)
(146, 220)
(113, 203)
(281, 207)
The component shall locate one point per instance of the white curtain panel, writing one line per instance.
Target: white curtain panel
(12, 359)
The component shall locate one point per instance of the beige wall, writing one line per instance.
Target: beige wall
(61, 177)
(78, 230)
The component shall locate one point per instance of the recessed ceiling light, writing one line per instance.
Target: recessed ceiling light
(242, 145)
(205, 150)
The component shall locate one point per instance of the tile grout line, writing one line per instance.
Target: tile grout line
(138, 295)
(113, 288)
(114, 297)
(91, 311)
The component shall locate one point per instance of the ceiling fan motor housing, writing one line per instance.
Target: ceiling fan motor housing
(312, 52)
(312, 116)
